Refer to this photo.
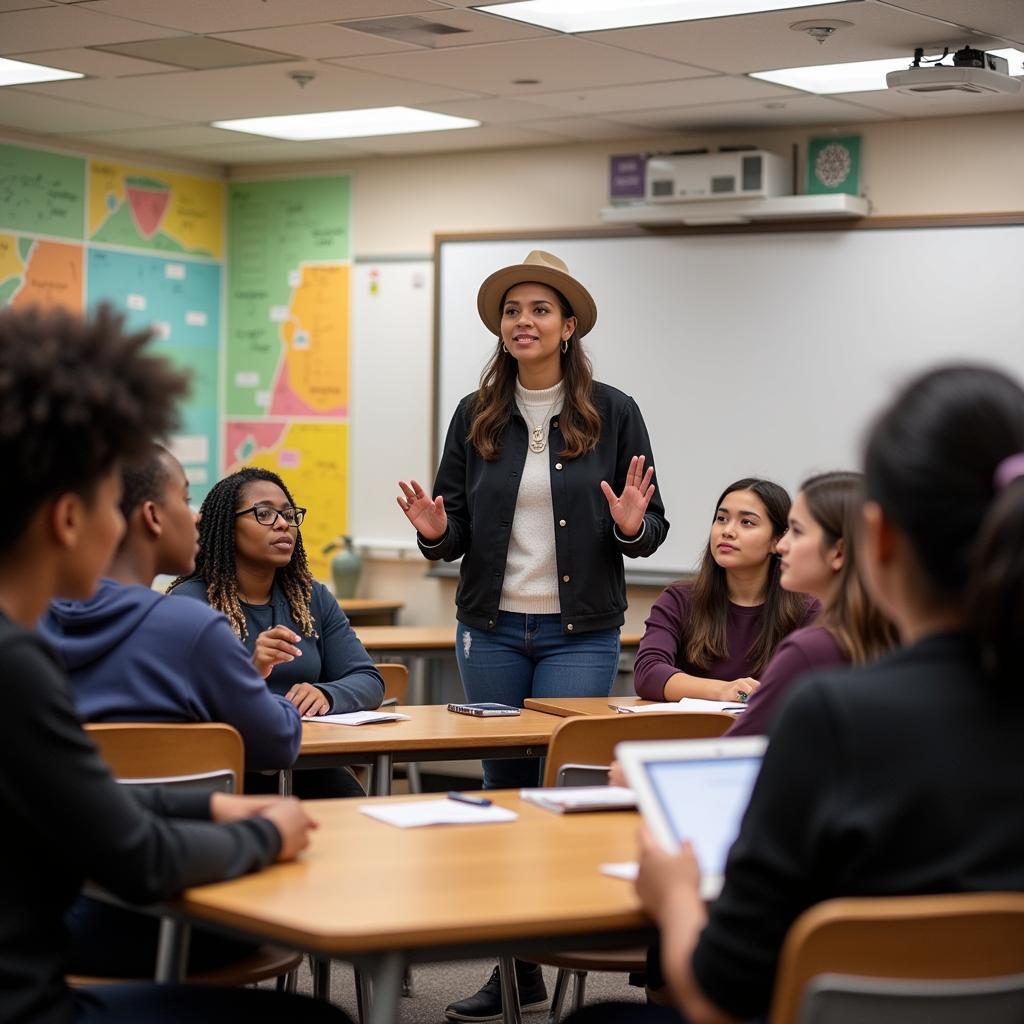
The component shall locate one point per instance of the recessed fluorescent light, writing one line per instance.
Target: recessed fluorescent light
(17, 72)
(860, 76)
(594, 15)
(348, 124)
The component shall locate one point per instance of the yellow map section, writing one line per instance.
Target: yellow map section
(312, 459)
(11, 264)
(189, 219)
(314, 377)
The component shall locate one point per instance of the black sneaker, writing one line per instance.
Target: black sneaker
(486, 1004)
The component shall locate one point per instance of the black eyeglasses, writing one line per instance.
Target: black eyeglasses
(266, 515)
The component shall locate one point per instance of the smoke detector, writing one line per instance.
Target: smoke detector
(820, 28)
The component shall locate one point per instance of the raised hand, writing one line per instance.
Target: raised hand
(629, 507)
(425, 513)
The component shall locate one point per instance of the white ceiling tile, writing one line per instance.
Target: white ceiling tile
(94, 62)
(688, 92)
(316, 40)
(204, 16)
(473, 27)
(586, 129)
(44, 115)
(265, 89)
(22, 5)
(993, 17)
(488, 111)
(797, 110)
(269, 151)
(900, 104)
(486, 137)
(54, 28)
(760, 42)
(164, 138)
(560, 62)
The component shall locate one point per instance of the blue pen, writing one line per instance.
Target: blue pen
(465, 798)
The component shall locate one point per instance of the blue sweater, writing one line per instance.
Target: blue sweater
(134, 655)
(334, 660)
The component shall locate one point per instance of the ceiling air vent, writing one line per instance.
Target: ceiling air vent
(407, 29)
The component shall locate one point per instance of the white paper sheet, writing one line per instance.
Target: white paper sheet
(415, 814)
(357, 718)
(691, 705)
(624, 869)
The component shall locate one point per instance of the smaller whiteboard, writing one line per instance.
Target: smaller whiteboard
(391, 394)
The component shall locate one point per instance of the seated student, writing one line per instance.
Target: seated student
(133, 655)
(818, 556)
(904, 776)
(252, 567)
(76, 397)
(712, 637)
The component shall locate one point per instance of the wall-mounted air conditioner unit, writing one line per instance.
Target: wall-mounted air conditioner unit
(689, 177)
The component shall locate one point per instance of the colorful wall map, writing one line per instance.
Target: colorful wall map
(60, 216)
(181, 300)
(149, 209)
(312, 460)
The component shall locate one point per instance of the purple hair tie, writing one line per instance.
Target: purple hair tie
(1010, 469)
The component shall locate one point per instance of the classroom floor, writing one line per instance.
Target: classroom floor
(436, 985)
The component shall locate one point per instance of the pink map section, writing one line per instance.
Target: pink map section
(243, 439)
(285, 402)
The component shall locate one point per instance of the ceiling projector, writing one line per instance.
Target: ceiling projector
(972, 71)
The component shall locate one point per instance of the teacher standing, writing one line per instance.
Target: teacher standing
(546, 480)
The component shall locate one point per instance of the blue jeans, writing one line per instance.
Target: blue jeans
(530, 656)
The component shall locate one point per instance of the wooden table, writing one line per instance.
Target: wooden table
(566, 707)
(371, 611)
(433, 733)
(384, 897)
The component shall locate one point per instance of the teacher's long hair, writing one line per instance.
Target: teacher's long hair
(579, 421)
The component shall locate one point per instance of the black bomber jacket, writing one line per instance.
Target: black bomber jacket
(480, 501)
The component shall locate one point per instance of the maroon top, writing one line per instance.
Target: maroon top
(662, 650)
(812, 647)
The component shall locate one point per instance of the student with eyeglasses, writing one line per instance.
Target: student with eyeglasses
(252, 567)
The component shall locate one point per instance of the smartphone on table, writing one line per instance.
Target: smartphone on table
(484, 710)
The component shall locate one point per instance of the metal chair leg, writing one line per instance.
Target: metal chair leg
(579, 993)
(558, 995)
(321, 978)
(407, 989)
(510, 1010)
(364, 995)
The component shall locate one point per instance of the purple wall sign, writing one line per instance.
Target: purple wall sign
(627, 176)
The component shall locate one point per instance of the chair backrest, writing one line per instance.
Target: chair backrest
(958, 936)
(210, 754)
(396, 682)
(591, 739)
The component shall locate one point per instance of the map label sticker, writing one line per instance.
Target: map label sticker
(195, 318)
(294, 278)
(161, 329)
(262, 399)
(278, 314)
(190, 448)
(197, 475)
(174, 271)
(247, 379)
(135, 301)
(289, 458)
(301, 340)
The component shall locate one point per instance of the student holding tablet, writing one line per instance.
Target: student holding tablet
(818, 556)
(546, 481)
(899, 777)
(76, 397)
(712, 638)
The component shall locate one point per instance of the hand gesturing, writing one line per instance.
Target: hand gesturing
(425, 513)
(629, 507)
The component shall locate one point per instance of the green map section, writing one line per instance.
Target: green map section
(42, 192)
(273, 228)
(120, 229)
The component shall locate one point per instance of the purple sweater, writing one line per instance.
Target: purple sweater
(662, 650)
(812, 647)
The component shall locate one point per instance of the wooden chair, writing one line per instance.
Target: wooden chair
(844, 954)
(207, 754)
(396, 682)
(590, 740)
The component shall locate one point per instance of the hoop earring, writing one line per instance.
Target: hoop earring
(503, 348)
(565, 347)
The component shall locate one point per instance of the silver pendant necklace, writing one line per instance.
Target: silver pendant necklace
(538, 439)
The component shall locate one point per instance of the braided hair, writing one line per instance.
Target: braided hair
(215, 562)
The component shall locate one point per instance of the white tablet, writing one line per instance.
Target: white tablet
(695, 790)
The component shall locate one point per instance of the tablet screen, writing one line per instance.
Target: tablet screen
(703, 801)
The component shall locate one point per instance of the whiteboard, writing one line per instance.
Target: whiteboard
(756, 354)
(391, 394)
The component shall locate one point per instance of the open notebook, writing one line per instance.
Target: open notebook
(695, 790)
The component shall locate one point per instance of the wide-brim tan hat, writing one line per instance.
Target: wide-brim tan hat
(543, 268)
